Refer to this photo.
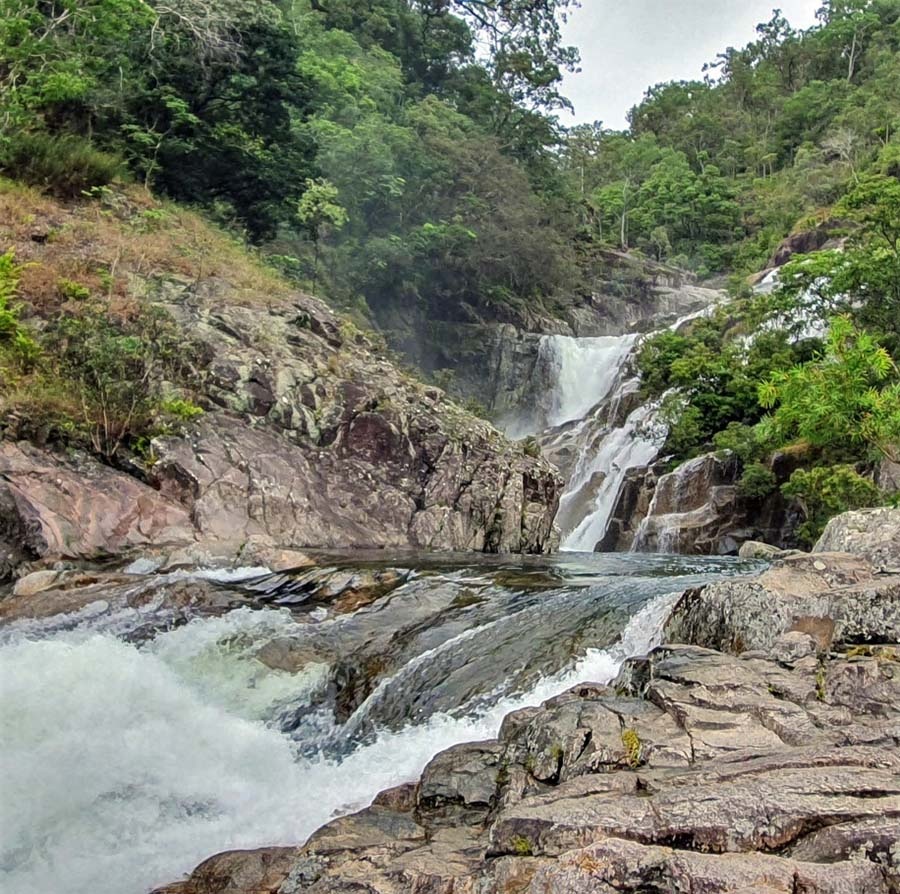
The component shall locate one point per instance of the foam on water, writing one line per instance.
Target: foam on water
(123, 767)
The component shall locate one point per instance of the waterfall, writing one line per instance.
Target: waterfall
(634, 444)
(594, 431)
(583, 370)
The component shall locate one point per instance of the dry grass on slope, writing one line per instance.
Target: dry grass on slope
(95, 245)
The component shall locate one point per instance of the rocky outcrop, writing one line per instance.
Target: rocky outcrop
(836, 596)
(871, 533)
(695, 771)
(76, 508)
(697, 508)
(309, 439)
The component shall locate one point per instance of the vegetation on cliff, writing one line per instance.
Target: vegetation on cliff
(407, 160)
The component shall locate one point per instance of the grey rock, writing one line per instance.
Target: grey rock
(871, 533)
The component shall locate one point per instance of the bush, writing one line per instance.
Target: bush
(115, 367)
(743, 441)
(16, 344)
(757, 482)
(826, 491)
(65, 166)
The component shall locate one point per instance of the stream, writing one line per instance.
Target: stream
(129, 756)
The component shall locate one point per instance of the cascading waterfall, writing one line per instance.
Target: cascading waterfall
(124, 765)
(584, 372)
(595, 433)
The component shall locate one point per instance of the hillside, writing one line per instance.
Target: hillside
(178, 392)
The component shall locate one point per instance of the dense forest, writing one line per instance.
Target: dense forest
(400, 155)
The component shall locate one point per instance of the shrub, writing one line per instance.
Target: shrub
(180, 409)
(757, 482)
(743, 441)
(845, 402)
(65, 166)
(115, 367)
(16, 344)
(826, 491)
(74, 291)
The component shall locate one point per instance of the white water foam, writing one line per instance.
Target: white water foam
(122, 767)
(584, 371)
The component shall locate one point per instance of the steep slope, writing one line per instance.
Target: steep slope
(309, 436)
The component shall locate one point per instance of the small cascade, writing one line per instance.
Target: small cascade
(124, 764)
(593, 491)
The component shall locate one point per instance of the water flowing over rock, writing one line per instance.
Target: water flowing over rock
(179, 712)
(591, 422)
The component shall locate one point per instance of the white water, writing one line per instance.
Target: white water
(123, 767)
(636, 443)
(584, 371)
(589, 378)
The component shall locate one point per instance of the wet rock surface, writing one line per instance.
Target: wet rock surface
(773, 769)
(694, 771)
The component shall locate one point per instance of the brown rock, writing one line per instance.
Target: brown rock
(80, 509)
(258, 871)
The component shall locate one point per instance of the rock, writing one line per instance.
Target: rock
(35, 582)
(794, 646)
(871, 533)
(260, 871)
(803, 242)
(696, 509)
(77, 508)
(754, 549)
(887, 477)
(829, 595)
(615, 866)
(151, 603)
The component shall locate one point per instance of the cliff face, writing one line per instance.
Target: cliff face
(309, 436)
(493, 352)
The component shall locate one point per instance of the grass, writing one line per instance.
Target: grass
(102, 242)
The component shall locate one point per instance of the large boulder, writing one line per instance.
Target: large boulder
(74, 507)
(834, 595)
(872, 533)
(697, 509)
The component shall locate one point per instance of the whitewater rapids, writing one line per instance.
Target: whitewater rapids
(123, 766)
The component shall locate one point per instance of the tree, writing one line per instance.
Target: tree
(848, 398)
(318, 212)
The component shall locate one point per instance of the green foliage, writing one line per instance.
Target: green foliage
(66, 166)
(114, 368)
(180, 409)
(17, 347)
(825, 491)
(72, 290)
(744, 441)
(522, 847)
(757, 482)
(846, 402)
(634, 747)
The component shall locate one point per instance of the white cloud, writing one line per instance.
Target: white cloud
(631, 45)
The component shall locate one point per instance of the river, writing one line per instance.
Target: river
(127, 758)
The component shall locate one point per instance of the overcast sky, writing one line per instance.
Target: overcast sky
(629, 45)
